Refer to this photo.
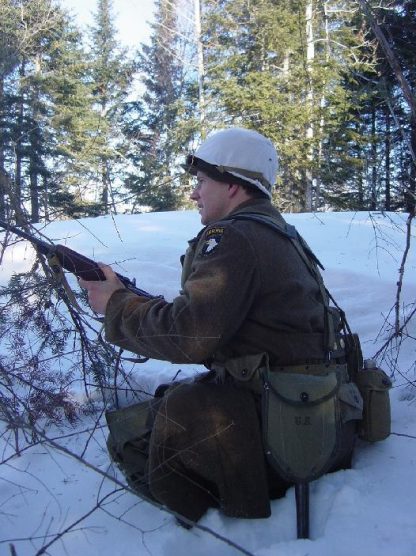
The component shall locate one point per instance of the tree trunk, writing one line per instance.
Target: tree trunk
(411, 196)
(2, 158)
(201, 68)
(104, 189)
(19, 134)
(45, 198)
(34, 190)
(322, 104)
(35, 160)
(310, 55)
(373, 183)
(387, 142)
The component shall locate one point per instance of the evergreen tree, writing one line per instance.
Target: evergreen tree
(8, 63)
(44, 91)
(279, 67)
(112, 76)
(161, 125)
(351, 142)
(32, 26)
(399, 25)
(75, 141)
(380, 121)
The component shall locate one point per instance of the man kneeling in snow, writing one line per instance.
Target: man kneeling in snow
(248, 301)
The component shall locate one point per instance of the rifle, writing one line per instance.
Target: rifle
(60, 256)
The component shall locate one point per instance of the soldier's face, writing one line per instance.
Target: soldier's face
(212, 198)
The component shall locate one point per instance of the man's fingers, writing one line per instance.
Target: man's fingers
(108, 274)
(108, 271)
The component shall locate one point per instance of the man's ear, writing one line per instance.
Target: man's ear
(233, 189)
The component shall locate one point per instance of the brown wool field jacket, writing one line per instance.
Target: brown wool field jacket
(245, 290)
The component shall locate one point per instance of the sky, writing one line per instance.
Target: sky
(132, 17)
(368, 510)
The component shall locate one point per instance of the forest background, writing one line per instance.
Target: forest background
(89, 128)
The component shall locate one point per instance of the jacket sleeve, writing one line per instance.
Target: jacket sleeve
(215, 300)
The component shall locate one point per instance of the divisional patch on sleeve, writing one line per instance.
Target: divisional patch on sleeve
(212, 240)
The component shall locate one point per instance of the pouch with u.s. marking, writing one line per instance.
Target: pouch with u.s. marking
(301, 422)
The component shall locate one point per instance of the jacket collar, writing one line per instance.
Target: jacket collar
(260, 206)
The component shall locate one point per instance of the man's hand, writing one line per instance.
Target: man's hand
(100, 292)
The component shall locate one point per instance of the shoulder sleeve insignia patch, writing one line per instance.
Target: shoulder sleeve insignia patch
(212, 239)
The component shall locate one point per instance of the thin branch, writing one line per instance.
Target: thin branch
(401, 271)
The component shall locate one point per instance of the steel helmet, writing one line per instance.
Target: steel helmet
(240, 153)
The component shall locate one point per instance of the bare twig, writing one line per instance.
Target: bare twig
(401, 272)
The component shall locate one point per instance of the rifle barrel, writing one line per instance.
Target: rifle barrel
(71, 260)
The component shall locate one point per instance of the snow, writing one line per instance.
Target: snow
(367, 510)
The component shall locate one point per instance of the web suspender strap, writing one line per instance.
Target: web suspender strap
(308, 257)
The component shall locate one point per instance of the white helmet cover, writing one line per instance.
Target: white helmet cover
(243, 153)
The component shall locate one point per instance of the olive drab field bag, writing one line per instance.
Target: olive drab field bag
(310, 412)
(130, 429)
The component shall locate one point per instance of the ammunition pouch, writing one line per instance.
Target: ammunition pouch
(244, 371)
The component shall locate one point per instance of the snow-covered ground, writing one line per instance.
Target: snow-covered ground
(368, 510)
